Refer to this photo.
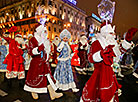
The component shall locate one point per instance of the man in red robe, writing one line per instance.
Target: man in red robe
(14, 59)
(39, 73)
(54, 44)
(82, 52)
(103, 85)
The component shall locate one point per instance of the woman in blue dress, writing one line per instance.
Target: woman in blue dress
(3, 52)
(63, 72)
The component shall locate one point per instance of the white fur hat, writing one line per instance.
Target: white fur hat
(40, 28)
(65, 33)
(30, 35)
(107, 29)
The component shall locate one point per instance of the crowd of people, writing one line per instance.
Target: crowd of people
(104, 54)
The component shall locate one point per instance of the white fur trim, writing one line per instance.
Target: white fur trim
(86, 48)
(36, 90)
(30, 35)
(35, 51)
(135, 74)
(81, 47)
(81, 99)
(60, 47)
(112, 100)
(51, 82)
(97, 57)
(126, 45)
(65, 87)
(14, 74)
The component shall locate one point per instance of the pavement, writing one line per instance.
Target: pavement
(15, 93)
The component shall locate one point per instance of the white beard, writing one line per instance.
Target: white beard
(42, 39)
(110, 40)
(19, 40)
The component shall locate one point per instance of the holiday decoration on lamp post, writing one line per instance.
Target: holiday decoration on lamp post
(106, 10)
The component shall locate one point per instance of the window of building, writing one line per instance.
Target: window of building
(60, 8)
(60, 16)
(50, 3)
(68, 12)
(55, 6)
(55, 14)
(64, 10)
(37, 4)
(49, 28)
(72, 14)
(27, 7)
(59, 30)
(55, 29)
(49, 11)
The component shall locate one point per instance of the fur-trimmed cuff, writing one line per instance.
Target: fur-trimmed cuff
(81, 47)
(35, 51)
(126, 45)
(97, 57)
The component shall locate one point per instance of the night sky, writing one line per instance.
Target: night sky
(125, 16)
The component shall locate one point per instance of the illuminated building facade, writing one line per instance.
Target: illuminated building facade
(60, 14)
(94, 21)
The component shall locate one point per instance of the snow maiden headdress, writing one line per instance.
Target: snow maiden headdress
(65, 33)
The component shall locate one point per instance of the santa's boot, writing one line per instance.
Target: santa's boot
(53, 94)
(75, 89)
(34, 95)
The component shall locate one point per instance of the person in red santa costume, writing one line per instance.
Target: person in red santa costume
(102, 85)
(39, 77)
(82, 52)
(75, 61)
(14, 60)
(54, 44)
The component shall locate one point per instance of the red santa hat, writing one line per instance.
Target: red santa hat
(18, 34)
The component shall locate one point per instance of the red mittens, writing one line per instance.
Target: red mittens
(41, 48)
(131, 32)
(108, 54)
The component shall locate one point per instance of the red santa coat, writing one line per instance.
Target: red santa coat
(75, 61)
(102, 85)
(83, 54)
(36, 80)
(14, 60)
(54, 56)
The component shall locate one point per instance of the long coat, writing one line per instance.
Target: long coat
(14, 60)
(102, 85)
(36, 80)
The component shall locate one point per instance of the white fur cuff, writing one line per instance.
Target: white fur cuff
(97, 57)
(35, 51)
(81, 47)
(126, 45)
